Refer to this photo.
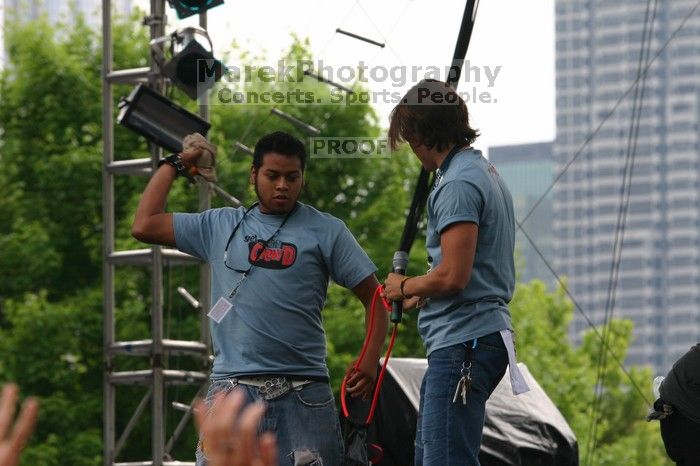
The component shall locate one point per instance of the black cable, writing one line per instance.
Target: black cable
(462, 44)
(415, 212)
(423, 185)
(573, 159)
(618, 242)
(578, 307)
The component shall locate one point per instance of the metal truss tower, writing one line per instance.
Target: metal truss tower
(157, 349)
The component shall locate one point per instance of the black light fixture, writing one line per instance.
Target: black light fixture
(185, 8)
(191, 67)
(161, 121)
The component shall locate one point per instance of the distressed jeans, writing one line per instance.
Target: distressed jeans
(304, 420)
(447, 433)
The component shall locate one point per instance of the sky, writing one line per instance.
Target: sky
(511, 53)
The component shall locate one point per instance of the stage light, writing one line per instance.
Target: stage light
(158, 119)
(185, 8)
(191, 67)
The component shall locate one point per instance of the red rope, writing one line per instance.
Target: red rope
(365, 345)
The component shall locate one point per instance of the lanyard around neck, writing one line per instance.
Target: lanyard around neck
(264, 243)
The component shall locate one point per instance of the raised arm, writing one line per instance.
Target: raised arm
(151, 223)
(362, 380)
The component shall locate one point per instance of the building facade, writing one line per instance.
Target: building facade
(527, 170)
(597, 57)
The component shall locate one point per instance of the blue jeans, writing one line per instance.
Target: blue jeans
(449, 433)
(304, 420)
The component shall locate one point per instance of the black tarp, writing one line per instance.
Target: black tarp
(523, 430)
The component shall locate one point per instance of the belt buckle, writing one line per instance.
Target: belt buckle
(274, 388)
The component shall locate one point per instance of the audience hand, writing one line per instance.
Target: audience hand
(229, 434)
(13, 438)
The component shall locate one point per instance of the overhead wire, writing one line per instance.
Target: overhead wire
(607, 116)
(583, 313)
(373, 59)
(642, 73)
(618, 242)
(519, 223)
(257, 121)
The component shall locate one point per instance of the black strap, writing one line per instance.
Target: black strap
(264, 242)
(469, 353)
(448, 160)
(175, 160)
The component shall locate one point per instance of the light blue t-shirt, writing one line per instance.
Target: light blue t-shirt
(471, 190)
(275, 326)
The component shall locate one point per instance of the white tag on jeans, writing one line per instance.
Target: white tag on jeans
(220, 309)
(517, 381)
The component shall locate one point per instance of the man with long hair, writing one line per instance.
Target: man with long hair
(464, 319)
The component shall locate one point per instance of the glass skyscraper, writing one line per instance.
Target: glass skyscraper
(597, 56)
(527, 170)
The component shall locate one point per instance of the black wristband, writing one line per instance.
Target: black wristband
(176, 161)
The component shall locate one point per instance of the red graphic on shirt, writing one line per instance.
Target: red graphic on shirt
(281, 256)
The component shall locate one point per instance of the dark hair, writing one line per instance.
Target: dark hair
(433, 114)
(281, 143)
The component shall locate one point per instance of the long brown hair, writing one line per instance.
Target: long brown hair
(433, 114)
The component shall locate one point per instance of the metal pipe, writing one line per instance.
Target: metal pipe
(150, 463)
(128, 76)
(130, 167)
(183, 422)
(132, 422)
(355, 36)
(243, 148)
(328, 81)
(188, 297)
(180, 406)
(145, 376)
(143, 257)
(172, 347)
(311, 130)
(223, 194)
(157, 26)
(204, 204)
(107, 237)
(156, 257)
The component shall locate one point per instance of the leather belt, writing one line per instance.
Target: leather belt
(271, 388)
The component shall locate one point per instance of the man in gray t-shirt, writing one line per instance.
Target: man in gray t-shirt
(271, 264)
(464, 317)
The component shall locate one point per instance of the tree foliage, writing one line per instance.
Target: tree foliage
(568, 374)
